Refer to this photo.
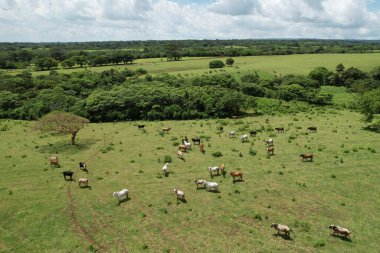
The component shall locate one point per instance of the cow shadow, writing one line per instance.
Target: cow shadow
(85, 187)
(342, 237)
(123, 200)
(217, 191)
(238, 181)
(179, 201)
(69, 179)
(84, 169)
(284, 236)
(168, 173)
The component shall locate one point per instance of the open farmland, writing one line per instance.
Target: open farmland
(40, 212)
(281, 64)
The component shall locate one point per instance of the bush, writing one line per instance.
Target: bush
(217, 154)
(252, 152)
(216, 64)
(167, 159)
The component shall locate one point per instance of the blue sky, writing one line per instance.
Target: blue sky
(100, 20)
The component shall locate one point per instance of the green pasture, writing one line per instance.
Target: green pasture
(279, 64)
(40, 212)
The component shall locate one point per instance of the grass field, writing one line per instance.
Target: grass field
(281, 64)
(40, 212)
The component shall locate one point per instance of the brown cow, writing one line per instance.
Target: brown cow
(237, 174)
(270, 150)
(166, 129)
(182, 147)
(202, 148)
(54, 160)
(307, 157)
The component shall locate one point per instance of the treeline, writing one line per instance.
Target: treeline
(50, 55)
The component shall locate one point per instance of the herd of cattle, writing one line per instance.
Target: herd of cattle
(122, 195)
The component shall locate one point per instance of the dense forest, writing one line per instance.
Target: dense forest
(114, 95)
(50, 55)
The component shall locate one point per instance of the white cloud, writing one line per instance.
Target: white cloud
(88, 20)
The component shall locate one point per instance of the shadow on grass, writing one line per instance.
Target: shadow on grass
(342, 237)
(123, 200)
(238, 181)
(372, 128)
(85, 187)
(284, 236)
(181, 201)
(66, 147)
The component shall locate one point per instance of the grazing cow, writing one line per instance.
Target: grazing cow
(202, 148)
(83, 182)
(180, 194)
(185, 140)
(165, 169)
(281, 228)
(220, 128)
(121, 194)
(244, 137)
(54, 160)
(339, 230)
(213, 170)
(253, 132)
(187, 144)
(307, 157)
(280, 129)
(222, 169)
(312, 129)
(166, 129)
(211, 186)
(196, 140)
(82, 166)
(180, 155)
(236, 174)
(269, 142)
(234, 117)
(182, 147)
(69, 174)
(231, 134)
(200, 182)
(141, 126)
(270, 150)
(267, 120)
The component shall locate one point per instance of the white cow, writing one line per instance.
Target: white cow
(199, 182)
(213, 170)
(83, 182)
(232, 134)
(211, 186)
(187, 144)
(121, 194)
(180, 194)
(244, 137)
(165, 169)
(269, 142)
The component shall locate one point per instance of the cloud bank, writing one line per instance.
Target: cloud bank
(99, 20)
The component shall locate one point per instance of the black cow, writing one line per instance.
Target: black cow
(280, 129)
(141, 126)
(196, 140)
(253, 132)
(312, 129)
(68, 174)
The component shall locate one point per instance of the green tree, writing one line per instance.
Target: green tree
(369, 104)
(46, 63)
(340, 68)
(230, 61)
(321, 75)
(62, 122)
(68, 63)
(173, 52)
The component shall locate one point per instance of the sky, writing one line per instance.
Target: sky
(114, 20)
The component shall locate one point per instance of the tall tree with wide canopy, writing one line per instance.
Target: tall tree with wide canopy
(62, 122)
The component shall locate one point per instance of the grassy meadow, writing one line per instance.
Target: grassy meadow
(279, 64)
(40, 212)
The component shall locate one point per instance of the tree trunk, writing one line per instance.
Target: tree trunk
(73, 135)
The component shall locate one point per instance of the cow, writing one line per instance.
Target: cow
(213, 170)
(140, 126)
(270, 150)
(244, 138)
(182, 148)
(269, 142)
(253, 132)
(120, 195)
(220, 128)
(82, 166)
(202, 148)
(69, 174)
(83, 182)
(281, 228)
(307, 157)
(196, 140)
(200, 182)
(231, 134)
(280, 129)
(54, 160)
(236, 174)
(180, 155)
(211, 186)
(312, 129)
(339, 230)
(166, 129)
(180, 194)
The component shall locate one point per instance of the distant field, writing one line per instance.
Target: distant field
(40, 212)
(283, 64)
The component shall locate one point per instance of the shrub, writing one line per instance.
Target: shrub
(252, 152)
(216, 64)
(217, 154)
(319, 244)
(167, 159)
